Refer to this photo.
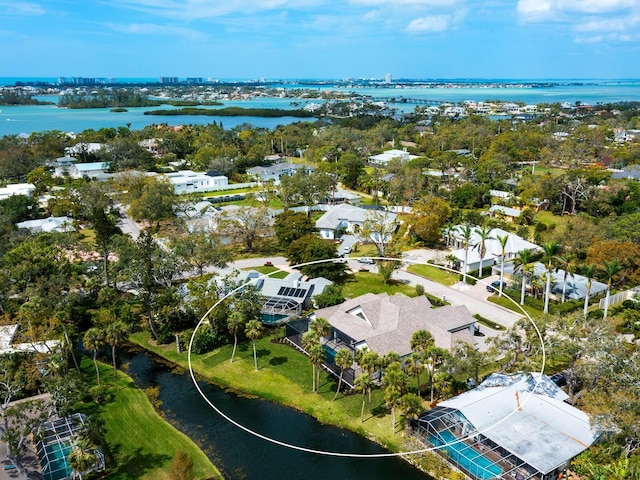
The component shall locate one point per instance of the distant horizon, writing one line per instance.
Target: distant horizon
(213, 80)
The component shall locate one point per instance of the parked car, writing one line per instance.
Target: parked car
(559, 379)
(367, 260)
(495, 286)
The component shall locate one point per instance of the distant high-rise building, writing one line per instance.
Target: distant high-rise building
(194, 80)
(169, 80)
(387, 78)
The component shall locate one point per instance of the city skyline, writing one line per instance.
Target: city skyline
(532, 39)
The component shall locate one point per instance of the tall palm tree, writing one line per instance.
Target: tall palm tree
(343, 360)
(309, 341)
(364, 384)
(413, 366)
(485, 234)
(395, 385)
(502, 239)
(551, 250)
(611, 268)
(410, 406)
(421, 341)
(588, 271)
(466, 232)
(317, 355)
(253, 331)
(115, 334)
(94, 340)
(235, 322)
(523, 261)
(565, 263)
(433, 359)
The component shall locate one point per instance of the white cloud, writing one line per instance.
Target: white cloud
(153, 29)
(372, 15)
(21, 8)
(429, 24)
(197, 9)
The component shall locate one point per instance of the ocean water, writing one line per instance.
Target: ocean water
(28, 119)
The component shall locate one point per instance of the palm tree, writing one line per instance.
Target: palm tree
(611, 268)
(523, 261)
(234, 323)
(435, 356)
(317, 355)
(588, 271)
(466, 232)
(320, 326)
(485, 234)
(82, 456)
(551, 250)
(114, 335)
(343, 360)
(410, 406)
(253, 331)
(413, 366)
(309, 339)
(395, 385)
(503, 239)
(94, 340)
(565, 263)
(364, 384)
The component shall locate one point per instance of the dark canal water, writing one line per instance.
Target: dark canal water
(240, 455)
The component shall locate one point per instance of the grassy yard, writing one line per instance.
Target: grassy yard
(360, 283)
(266, 269)
(549, 218)
(506, 303)
(434, 273)
(140, 443)
(284, 377)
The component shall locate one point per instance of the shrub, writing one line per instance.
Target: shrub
(419, 290)
(204, 341)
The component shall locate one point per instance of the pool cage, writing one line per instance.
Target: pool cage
(279, 309)
(473, 453)
(56, 444)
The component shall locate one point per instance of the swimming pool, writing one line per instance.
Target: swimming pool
(466, 457)
(53, 458)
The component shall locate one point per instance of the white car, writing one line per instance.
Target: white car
(366, 260)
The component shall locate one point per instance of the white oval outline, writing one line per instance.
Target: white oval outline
(357, 455)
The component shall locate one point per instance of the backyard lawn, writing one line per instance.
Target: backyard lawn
(133, 429)
(266, 269)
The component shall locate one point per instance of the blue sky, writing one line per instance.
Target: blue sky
(276, 39)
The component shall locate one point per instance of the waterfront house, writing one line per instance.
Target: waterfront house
(510, 426)
(383, 324)
(89, 170)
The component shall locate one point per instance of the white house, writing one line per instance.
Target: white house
(83, 148)
(348, 218)
(510, 426)
(91, 170)
(25, 189)
(51, 224)
(188, 181)
(514, 245)
(385, 157)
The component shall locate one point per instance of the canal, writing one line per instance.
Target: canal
(240, 455)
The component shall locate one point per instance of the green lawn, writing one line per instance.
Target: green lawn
(549, 218)
(284, 376)
(434, 273)
(360, 283)
(266, 269)
(140, 443)
(506, 303)
(554, 171)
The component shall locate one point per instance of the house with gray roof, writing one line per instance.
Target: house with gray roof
(347, 218)
(510, 426)
(384, 323)
(277, 170)
(385, 157)
(631, 172)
